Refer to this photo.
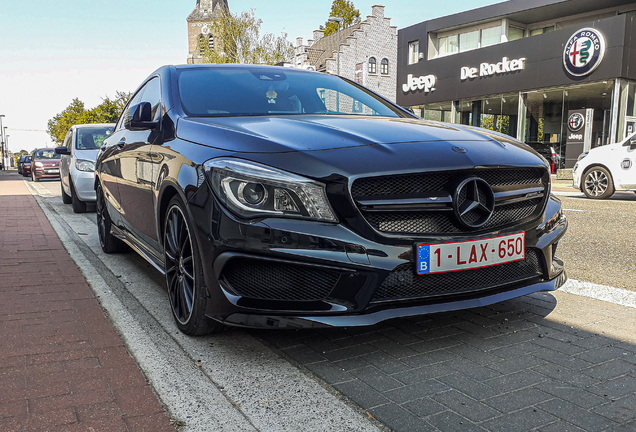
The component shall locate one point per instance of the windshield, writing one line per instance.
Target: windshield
(240, 91)
(92, 138)
(46, 154)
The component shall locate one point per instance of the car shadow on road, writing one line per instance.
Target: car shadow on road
(530, 357)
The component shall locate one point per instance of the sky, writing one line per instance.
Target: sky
(53, 52)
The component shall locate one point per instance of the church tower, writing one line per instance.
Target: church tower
(199, 28)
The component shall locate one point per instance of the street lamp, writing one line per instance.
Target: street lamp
(337, 20)
(3, 133)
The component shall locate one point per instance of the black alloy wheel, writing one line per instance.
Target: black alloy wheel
(79, 206)
(597, 183)
(108, 242)
(184, 276)
(66, 199)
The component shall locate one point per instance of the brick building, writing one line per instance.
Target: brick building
(199, 28)
(368, 53)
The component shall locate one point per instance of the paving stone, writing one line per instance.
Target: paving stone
(518, 399)
(605, 354)
(567, 360)
(560, 426)
(304, 355)
(350, 352)
(393, 348)
(434, 344)
(516, 364)
(424, 373)
(376, 378)
(580, 417)
(449, 421)
(472, 369)
(385, 362)
(429, 358)
(362, 394)
(465, 406)
(520, 421)
(609, 370)
(615, 388)
(469, 386)
(621, 410)
(561, 374)
(412, 392)
(424, 407)
(329, 372)
(399, 419)
(515, 381)
(356, 363)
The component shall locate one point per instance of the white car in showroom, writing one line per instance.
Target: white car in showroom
(606, 169)
(77, 164)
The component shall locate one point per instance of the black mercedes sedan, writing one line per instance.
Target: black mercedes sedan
(279, 198)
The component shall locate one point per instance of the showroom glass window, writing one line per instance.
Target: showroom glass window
(448, 45)
(384, 67)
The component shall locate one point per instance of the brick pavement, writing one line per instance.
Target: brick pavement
(545, 362)
(63, 366)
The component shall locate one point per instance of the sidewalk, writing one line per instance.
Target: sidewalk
(63, 367)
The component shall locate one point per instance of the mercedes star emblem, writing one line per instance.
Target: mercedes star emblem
(473, 202)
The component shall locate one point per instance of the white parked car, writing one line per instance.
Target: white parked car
(77, 165)
(606, 169)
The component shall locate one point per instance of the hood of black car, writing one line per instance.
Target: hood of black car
(277, 134)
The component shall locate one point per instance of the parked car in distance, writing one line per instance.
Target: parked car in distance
(605, 169)
(77, 163)
(20, 162)
(26, 166)
(45, 164)
(281, 198)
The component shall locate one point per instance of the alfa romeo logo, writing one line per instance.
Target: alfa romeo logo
(576, 122)
(584, 52)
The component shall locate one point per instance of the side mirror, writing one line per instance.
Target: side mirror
(140, 117)
(409, 109)
(632, 143)
(62, 150)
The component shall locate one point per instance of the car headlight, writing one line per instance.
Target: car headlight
(39, 164)
(85, 165)
(254, 190)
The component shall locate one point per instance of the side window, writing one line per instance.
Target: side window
(68, 141)
(134, 100)
(152, 94)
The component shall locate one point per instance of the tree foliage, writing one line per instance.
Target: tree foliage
(237, 39)
(342, 9)
(106, 112)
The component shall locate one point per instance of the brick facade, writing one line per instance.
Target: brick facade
(199, 26)
(374, 37)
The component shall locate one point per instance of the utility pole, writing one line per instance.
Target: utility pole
(337, 20)
(2, 134)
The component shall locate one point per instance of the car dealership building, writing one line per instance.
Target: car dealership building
(560, 73)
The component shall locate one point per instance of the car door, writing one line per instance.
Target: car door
(135, 183)
(65, 163)
(627, 164)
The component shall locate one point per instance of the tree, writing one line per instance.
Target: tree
(237, 40)
(106, 112)
(342, 9)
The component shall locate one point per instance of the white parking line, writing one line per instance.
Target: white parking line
(600, 292)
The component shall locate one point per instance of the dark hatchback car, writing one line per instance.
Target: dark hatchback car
(278, 198)
(26, 166)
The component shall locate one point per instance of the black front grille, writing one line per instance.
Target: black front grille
(269, 280)
(404, 283)
(443, 221)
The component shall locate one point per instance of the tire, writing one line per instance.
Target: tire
(184, 275)
(66, 199)
(79, 206)
(109, 243)
(597, 183)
